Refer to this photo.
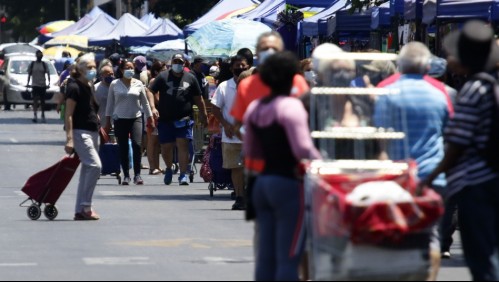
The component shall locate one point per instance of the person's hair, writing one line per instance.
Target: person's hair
(156, 68)
(81, 64)
(225, 73)
(237, 58)
(304, 63)
(124, 62)
(66, 54)
(38, 52)
(278, 72)
(266, 35)
(104, 63)
(414, 58)
(246, 53)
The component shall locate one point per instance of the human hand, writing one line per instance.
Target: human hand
(229, 130)
(69, 148)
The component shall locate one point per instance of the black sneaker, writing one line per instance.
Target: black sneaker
(239, 205)
(35, 120)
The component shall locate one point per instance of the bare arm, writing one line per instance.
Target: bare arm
(70, 108)
(452, 154)
(228, 128)
(152, 103)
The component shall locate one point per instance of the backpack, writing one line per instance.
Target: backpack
(491, 153)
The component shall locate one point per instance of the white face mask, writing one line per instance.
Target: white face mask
(178, 68)
(264, 55)
(128, 74)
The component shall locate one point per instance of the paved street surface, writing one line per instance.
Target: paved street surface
(150, 232)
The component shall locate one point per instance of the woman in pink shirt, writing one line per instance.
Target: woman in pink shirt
(277, 132)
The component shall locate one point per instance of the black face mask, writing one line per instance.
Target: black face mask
(237, 72)
(39, 58)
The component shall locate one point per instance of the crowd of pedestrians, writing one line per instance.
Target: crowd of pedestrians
(265, 131)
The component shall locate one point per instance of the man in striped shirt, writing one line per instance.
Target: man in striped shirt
(471, 179)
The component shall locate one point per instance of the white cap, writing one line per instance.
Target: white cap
(321, 55)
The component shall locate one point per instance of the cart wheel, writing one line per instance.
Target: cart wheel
(191, 176)
(211, 187)
(51, 212)
(233, 196)
(34, 212)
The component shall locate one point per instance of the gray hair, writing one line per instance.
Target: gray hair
(84, 60)
(414, 58)
(105, 63)
(269, 34)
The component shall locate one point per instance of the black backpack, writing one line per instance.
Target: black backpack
(491, 153)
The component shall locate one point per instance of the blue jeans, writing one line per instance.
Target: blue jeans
(279, 207)
(478, 208)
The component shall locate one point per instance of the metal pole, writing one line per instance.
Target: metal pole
(66, 9)
(78, 9)
(118, 9)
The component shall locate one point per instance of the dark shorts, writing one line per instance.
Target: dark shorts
(168, 133)
(39, 91)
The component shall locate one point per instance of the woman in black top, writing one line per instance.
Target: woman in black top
(82, 124)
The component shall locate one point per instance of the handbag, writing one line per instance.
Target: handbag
(213, 124)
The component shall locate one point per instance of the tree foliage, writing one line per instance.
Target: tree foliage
(26, 15)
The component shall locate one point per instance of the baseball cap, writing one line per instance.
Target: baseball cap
(140, 63)
(115, 58)
(178, 56)
(199, 59)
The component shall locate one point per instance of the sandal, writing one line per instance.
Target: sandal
(155, 172)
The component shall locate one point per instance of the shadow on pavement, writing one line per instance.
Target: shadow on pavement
(185, 197)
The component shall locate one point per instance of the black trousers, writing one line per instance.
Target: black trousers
(39, 94)
(124, 129)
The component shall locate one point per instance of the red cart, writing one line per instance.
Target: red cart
(45, 187)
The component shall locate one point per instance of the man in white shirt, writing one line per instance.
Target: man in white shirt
(223, 101)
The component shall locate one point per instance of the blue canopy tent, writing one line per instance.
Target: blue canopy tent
(397, 7)
(413, 10)
(128, 25)
(381, 16)
(317, 25)
(459, 10)
(494, 13)
(429, 11)
(223, 7)
(311, 3)
(266, 12)
(98, 27)
(353, 23)
(150, 20)
(164, 30)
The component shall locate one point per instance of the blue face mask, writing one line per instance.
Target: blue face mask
(178, 68)
(90, 75)
(108, 79)
(128, 74)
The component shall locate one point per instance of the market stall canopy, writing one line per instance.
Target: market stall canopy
(381, 16)
(357, 22)
(76, 41)
(224, 38)
(309, 12)
(222, 8)
(459, 10)
(429, 11)
(165, 50)
(397, 7)
(150, 20)
(56, 52)
(67, 31)
(96, 11)
(164, 30)
(494, 13)
(98, 27)
(266, 12)
(54, 26)
(413, 10)
(128, 25)
(317, 25)
(312, 3)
